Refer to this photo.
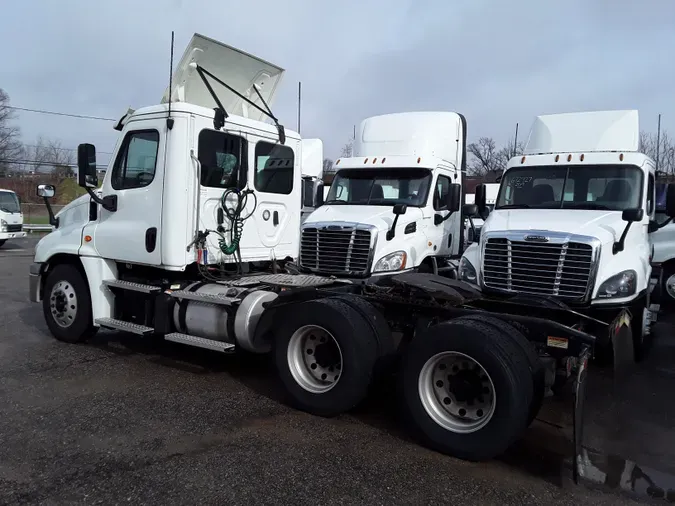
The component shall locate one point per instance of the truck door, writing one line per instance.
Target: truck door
(448, 231)
(275, 178)
(132, 232)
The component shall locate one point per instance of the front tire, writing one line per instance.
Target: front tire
(325, 352)
(2, 242)
(467, 389)
(66, 305)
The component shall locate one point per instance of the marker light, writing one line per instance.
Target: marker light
(557, 157)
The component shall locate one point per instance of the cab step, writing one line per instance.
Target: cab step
(200, 342)
(134, 328)
(207, 298)
(130, 285)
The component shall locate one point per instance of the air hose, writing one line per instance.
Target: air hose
(233, 210)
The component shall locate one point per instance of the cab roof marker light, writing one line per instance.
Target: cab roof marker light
(419, 160)
(337, 162)
(557, 157)
(374, 160)
(365, 161)
(569, 158)
(384, 159)
(522, 160)
(621, 157)
(581, 157)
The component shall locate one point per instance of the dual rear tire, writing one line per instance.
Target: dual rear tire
(469, 387)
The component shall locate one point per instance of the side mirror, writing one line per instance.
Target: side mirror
(480, 198)
(400, 209)
(634, 214)
(318, 199)
(86, 166)
(470, 210)
(670, 200)
(46, 191)
(454, 197)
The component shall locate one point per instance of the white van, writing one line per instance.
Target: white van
(11, 217)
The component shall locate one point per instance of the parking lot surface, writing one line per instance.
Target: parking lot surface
(127, 420)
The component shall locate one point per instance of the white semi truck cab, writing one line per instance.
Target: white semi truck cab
(572, 220)
(11, 217)
(394, 206)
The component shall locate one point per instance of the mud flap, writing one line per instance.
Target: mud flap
(578, 413)
(622, 345)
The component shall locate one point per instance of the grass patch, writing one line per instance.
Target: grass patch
(35, 220)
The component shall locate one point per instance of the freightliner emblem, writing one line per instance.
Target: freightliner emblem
(536, 238)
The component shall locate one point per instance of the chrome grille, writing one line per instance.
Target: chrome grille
(562, 269)
(337, 251)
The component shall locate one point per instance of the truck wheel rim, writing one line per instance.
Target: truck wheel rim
(63, 303)
(670, 286)
(457, 392)
(314, 359)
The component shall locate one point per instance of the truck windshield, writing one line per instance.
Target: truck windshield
(9, 202)
(380, 187)
(603, 187)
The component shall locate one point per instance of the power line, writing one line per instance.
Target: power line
(64, 149)
(54, 113)
(37, 163)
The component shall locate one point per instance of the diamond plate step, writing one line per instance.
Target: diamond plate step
(129, 285)
(205, 297)
(200, 342)
(134, 328)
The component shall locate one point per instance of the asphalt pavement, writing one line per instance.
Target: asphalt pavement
(127, 420)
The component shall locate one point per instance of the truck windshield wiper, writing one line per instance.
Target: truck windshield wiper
(5, 210)
(514, 206)
(334, 201)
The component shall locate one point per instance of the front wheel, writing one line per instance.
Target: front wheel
(2, 242)
(467, 389)
(66, 305)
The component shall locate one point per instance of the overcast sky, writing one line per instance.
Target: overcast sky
(497, 62)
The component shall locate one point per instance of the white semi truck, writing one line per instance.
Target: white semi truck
(572, 225)
(11, 217)
(193, 235)
(395, 205)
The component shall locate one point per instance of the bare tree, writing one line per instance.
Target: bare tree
(50, 156)
(347, 149)
(10, 135)
(666, 150)
(483, 157)
(328, 166)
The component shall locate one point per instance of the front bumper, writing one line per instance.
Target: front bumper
(11, 235)
(35, 282)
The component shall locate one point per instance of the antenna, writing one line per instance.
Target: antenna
(169, 119)
(299, 103)
(658, 143)
(515, 142)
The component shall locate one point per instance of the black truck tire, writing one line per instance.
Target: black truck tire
(2, 242)
(503, 366)
(537, 370)
(323, 381)
(66, 304)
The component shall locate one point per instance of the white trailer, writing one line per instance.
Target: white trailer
(192, 238)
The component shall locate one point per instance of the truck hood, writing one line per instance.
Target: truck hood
(83, 199)
(605, 225)
(379, 216)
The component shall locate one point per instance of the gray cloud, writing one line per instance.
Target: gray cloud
(496, 62)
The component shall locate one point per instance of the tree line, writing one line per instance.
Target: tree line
(485, 157)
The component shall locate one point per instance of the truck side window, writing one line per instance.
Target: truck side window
(274, 168)
(223, 158)
(136, 161)
(650, 195)
(440, 193)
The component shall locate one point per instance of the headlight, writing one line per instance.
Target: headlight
(392, 262)
(3, 226)
(620, 285)
(467, 272)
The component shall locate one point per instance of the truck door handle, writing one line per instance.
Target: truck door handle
(275, 218)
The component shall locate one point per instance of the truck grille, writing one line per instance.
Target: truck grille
(562, 269)
(343, 251)
(14, 228)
